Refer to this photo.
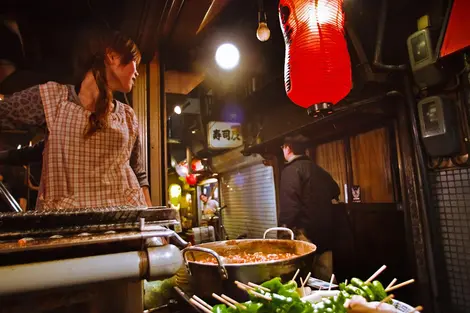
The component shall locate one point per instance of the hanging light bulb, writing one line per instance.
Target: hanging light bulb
(262, 33)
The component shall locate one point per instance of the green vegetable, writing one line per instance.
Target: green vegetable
(357, 282)
(290, 285)
(345, 294)
(320, 306)
(285, 299)
(379, 290)
(356, 291)
(289, 290)
(252, 307)
(274, 284)
(219, 308)
(328, 302)
(307, 310)
(370, 294)
(301, 307)
(157, 293)
(339, 301)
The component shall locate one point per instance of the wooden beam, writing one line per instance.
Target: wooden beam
(182, 82)
(156, 130)
(140, 106)
(215, 8)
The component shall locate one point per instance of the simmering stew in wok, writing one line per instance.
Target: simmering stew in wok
(244, 257)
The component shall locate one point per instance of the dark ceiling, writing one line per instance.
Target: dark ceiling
(48, 28)
(238, 22)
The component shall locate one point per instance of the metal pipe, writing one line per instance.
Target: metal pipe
(68, 272)
(379, 42)
(6, 195)
(163, 262)
(189, 158)
(425, 194)
(157, 262)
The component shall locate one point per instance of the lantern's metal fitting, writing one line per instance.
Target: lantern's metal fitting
(320, 109)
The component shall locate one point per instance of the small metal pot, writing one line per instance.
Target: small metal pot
(219, 278)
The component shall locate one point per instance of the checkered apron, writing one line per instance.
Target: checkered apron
(86, 173)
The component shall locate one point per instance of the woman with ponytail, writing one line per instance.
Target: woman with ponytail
(92, 151)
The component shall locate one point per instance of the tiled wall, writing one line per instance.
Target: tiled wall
(451, 198)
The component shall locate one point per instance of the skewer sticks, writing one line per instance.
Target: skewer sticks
(331, 281)
(233, 301)
(243, 286)
(259, 287)
(200, 306)
(400, 285)
(223, 301)
(204, 303)
(258, 295)
(380, 270)
(306, 280)
(295, 275)
(252, 291)
(386, 299)
(391, 283)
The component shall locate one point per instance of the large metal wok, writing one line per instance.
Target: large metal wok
(206, 278)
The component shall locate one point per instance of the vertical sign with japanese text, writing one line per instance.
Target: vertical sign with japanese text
(224, 135)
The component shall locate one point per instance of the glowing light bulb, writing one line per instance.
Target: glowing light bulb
(227, 56)
(263, 33)
(177, 109)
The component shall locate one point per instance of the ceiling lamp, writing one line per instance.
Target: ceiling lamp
(177, 109)
(317, 70)
(262, 33)
(227, 56)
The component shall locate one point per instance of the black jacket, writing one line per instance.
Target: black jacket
(305, 195)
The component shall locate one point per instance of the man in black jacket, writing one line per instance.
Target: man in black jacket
(306, 195)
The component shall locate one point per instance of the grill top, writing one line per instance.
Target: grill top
(28, 231)
(76, 221)
(59, 241)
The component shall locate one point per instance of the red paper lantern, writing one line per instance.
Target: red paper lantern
(317, 64)
(191, 179)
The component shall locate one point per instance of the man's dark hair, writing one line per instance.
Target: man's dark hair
(297, 143)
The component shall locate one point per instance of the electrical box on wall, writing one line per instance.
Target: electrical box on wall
(440, 131)
(427, 71)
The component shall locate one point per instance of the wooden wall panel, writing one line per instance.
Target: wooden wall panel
(331, 156)
(370, 153)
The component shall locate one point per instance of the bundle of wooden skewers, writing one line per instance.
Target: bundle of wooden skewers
(273, 296)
